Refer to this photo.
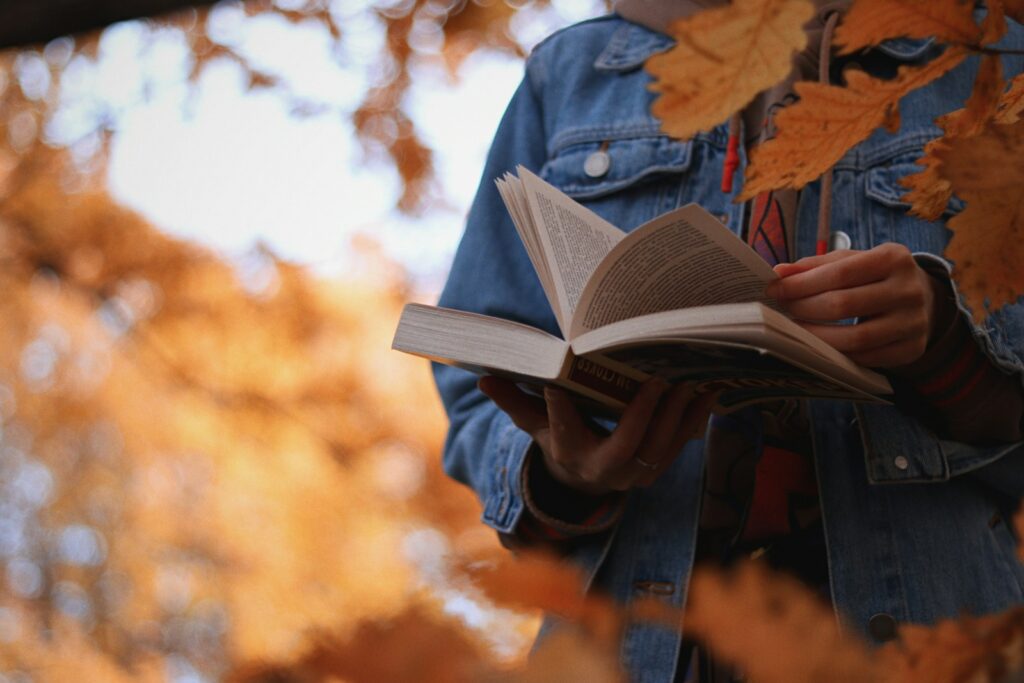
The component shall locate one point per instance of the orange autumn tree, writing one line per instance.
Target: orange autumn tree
(204, 461)
(217, 469)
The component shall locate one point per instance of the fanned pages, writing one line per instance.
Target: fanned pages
(680, 297)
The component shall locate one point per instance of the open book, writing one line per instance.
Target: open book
(680, 297)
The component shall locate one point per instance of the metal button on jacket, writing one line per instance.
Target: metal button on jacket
(901, 462)
(597, 164)
(839, 240)
(882, 627)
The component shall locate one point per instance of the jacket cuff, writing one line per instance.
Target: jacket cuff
(557, 512)
(504, 504)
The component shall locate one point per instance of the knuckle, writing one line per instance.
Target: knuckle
(837, 305)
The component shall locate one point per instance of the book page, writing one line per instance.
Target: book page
(682, 259)
(573, 239)
(514, 196)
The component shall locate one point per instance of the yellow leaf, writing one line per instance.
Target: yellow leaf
(869, 22)
(817, 131)
(722, 59)
(929, 191)
(987, 248)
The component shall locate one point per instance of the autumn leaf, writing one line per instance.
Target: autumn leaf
(773, 628)
(723, 57)
(870, 22)
(1014, 10)
(929, 191)
(979, 649)
(404, 649)
(817, 131)
(988, 235)
(1011, 104)
(534, 581)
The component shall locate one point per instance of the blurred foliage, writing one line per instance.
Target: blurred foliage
(207, 462)
(216, 469)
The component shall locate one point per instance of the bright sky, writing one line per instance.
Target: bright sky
(229, 167)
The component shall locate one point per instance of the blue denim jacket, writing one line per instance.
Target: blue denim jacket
(911, 520)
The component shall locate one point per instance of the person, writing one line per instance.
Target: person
(897, 512)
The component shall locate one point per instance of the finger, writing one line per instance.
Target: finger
(665, 423)
(527, 412)
(784, 270)
(629, 433)
(859, 268)
(691, 426)
(568, 429)
(854, 302)
(869, 334)
(891, 355)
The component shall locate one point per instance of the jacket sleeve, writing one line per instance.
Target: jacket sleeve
(899, 447)
(492, 274)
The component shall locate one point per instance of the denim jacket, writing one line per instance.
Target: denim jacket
(914, 523)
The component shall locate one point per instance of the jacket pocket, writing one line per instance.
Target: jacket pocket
(626, 181)
(887, 213)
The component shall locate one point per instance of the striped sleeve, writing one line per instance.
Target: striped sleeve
(971, 399)
(555, 512)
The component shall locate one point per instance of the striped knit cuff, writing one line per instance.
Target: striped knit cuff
(971, 400)
(556, 512)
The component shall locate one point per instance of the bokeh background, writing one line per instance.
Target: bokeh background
(209, 221)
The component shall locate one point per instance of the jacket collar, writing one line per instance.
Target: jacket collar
(629, 48)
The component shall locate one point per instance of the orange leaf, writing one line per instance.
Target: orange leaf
(817, 131)
(929, 191)
(773, 628)
(1015, 10)
(869, 22)
(969, 649)
(1011, 104)
(724, 57)
(986, 171)
(533, 581)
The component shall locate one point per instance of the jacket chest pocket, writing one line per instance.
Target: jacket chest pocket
(887, 217)
(625, 181)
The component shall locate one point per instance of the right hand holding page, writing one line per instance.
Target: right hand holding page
(896, 303)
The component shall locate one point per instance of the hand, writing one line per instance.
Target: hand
(895, 301)
(652, 429)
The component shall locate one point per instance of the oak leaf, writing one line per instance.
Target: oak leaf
(817, 131)
(987, 247)
(773, 628)
(536, 581)
(870, 22)
(929, 191)
(1014, 10)
(723, 57)
(978, 649)
(1011, 104)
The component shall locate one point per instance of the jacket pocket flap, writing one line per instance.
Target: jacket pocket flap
(883, 185)
(582, 172)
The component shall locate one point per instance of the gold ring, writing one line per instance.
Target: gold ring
(646, 465)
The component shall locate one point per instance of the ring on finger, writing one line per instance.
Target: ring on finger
(646, 465)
